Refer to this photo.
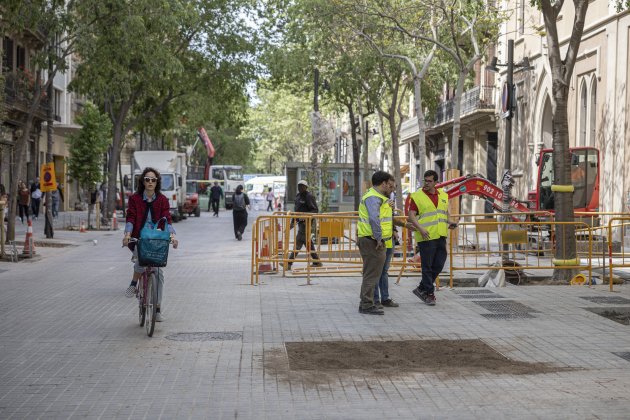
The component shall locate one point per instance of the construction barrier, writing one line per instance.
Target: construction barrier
(328, 245)
(485, 244)
(617, 259)
(514, 242)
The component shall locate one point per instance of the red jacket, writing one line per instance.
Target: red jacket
(137, 206)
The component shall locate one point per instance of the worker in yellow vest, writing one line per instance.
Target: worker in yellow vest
(428, 212)
(375, 227)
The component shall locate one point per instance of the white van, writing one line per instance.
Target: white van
(257, 189)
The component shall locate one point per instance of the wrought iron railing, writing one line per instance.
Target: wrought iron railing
(19, 94)
(477, 98)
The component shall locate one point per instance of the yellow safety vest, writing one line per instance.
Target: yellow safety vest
(385, 217)
(434, 220)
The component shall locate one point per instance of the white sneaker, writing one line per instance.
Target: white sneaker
(159, 317)
(131, 291)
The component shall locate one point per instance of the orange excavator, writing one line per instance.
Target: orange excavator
(584, 177)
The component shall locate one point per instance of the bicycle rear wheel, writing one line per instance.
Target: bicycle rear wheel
(151, 307)
(141, 302)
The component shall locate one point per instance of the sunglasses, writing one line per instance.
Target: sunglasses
(150, 179)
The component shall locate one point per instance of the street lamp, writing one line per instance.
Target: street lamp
(507, 106)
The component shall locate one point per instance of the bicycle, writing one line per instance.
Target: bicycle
(147, 295)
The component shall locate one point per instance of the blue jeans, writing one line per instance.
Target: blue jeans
(383, 283)
(433, 257)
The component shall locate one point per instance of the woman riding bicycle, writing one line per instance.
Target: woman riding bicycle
(147, 203)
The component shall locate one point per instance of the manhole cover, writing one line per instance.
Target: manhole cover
(505, 306)
(624, 355)
(472, 292)
(206, 336)
(514, 315)
(608, 300)
(480, 296)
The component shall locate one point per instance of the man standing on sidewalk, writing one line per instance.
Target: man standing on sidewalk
(375, 228)
(428, 213)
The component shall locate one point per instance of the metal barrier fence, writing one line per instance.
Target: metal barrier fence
(513, 246)
(478, 244)
(621, 259)
(328, 238)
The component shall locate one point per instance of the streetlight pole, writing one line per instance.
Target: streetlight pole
(508, 119)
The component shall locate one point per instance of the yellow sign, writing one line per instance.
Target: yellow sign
(47, 180)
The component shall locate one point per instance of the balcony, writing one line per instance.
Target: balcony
(473, 100)
(476, 102)
(19, 95)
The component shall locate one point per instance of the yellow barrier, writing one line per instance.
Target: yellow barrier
(531, 243)
(625, 261)
(333, 237)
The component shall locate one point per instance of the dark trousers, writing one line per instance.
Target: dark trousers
(373, 262)
(300, 241)
(215, 206)
(35, 202)
(269, 205)
(23, 209)
(240, 221)
(432, 257)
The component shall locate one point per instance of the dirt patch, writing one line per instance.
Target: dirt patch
(322, 362)
(619, 314)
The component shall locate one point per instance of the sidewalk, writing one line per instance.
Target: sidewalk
(71, 346)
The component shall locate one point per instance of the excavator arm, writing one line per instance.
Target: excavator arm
(479, 186)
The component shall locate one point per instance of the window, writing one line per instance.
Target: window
(582, 119)
(21, 57)
(332, 184)
(347, 187)
(593, 113)
(7, 54)
(57, 104)
(217, 173)
(234, 174)
(521, 17)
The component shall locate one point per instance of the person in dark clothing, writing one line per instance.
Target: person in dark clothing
(216, 194)
(239, 212)
(304, 203)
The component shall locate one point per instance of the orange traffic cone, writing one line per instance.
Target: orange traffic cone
(265, 267)
(29, 245)
(82, 227)
(114, 221)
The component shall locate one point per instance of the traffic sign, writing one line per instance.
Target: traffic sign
(47, 179)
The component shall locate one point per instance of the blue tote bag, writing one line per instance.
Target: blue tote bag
(153, 245)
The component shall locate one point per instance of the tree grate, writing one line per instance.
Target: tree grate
(607, 300)
(505, 306)
(623, 354)
(514, 315)
(206, 336)
(472, 292)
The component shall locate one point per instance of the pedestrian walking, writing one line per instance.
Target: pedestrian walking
(270, 199)
(216, 194)
(24, 200)
(240, 205)
(36, 198)
(428, 212)
(304, 203)
(375, 228)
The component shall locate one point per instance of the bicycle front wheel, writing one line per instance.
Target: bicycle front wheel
(151, 307)
(141, 302)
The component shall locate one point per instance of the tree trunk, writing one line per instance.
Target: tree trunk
(565, 234)
(48, 229)
(383, 144)
(457, 105)
(110, 201)
(355, 158)
(422, 149)
(396, 158)
(18, 173)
